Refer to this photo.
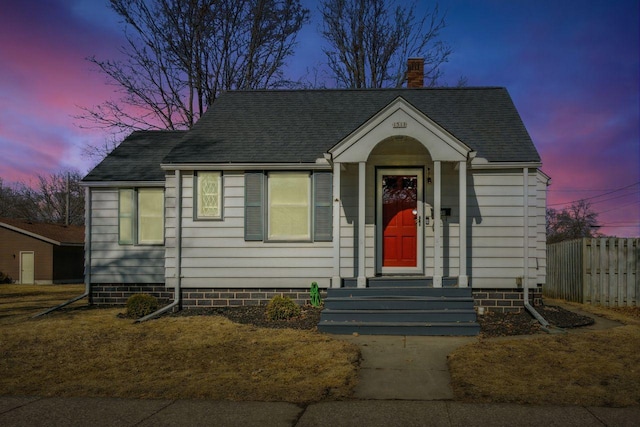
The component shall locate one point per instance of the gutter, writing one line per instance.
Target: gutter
(176, 299)
(87, 259)
(525, 277)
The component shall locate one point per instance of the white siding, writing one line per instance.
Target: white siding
(114, 263)
(541, 228)
(496, 209)
(215, 254)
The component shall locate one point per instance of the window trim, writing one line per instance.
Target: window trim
(196, 196)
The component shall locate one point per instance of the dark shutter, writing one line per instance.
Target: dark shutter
(323, 206)
(253, 201)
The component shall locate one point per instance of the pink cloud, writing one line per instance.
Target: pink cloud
(44, 77)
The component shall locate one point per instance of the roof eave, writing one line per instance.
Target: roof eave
(129, 183)
(320, 164)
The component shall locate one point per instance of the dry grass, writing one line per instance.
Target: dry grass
(598, 368)
(92, 352)
(19, 302)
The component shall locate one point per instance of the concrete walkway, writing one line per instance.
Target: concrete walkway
(405, 367)
(404, 381)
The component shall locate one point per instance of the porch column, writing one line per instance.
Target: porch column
(463, 280)
(437, 227)
(335, 280)
(362, 171)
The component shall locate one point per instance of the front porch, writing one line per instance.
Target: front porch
(400, 201)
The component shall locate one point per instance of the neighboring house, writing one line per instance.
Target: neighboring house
(41, 253)
(273, 190)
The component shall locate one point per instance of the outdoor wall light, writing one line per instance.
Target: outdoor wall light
(428, 175)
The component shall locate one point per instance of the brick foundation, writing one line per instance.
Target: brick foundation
(497, 300)
(117, 294)
(506, 300)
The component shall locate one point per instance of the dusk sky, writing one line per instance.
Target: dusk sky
(571, 67)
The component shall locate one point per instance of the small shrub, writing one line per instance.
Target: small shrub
(5, 278)
(282, 308)
(139, 305)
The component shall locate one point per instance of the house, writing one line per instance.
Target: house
(41, 253)
(273, 190)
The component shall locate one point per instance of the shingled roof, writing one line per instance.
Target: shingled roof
(292, 126)
(137, 158)
(57, 234)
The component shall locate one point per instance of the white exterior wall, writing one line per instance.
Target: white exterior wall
(114, 263)
(496, 209)
(215, 254)
(541, 231)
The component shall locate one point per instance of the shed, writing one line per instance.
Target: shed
(41, 253)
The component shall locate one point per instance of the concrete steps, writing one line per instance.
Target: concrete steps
(391, 307)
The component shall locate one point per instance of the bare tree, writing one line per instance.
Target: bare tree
(46, 201)
(576, 221)
(9, 200)
(370, 41)
(180, 54)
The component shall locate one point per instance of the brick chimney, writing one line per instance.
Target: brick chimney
(415, 72)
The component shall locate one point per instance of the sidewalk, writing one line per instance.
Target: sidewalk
(106, 412)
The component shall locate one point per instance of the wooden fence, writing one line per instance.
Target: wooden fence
(601, 271)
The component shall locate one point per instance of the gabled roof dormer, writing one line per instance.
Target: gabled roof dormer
(400, 118)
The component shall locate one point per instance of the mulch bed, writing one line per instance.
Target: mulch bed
(492, 324)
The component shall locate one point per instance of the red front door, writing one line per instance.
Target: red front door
(399, 209)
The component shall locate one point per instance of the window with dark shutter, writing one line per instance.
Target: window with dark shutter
(253, 201)
(256, 209)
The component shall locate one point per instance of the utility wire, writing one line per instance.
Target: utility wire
(619, 207)
(597, 196)
(592, 190)
(616, 197)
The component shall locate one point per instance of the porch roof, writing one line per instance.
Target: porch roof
(299, 126)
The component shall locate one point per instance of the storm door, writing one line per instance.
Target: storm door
(399, 221)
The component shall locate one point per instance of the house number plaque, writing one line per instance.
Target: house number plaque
(399, 124)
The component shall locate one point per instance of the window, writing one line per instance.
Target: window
(151, 216)
(141, 216)
(126, 214)
(209, 195)
(288, 206)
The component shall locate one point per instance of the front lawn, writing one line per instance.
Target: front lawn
(590, 368)
(92, 352)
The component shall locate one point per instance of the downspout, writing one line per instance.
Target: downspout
(525, 276)
(176, 298)
(87, 258)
